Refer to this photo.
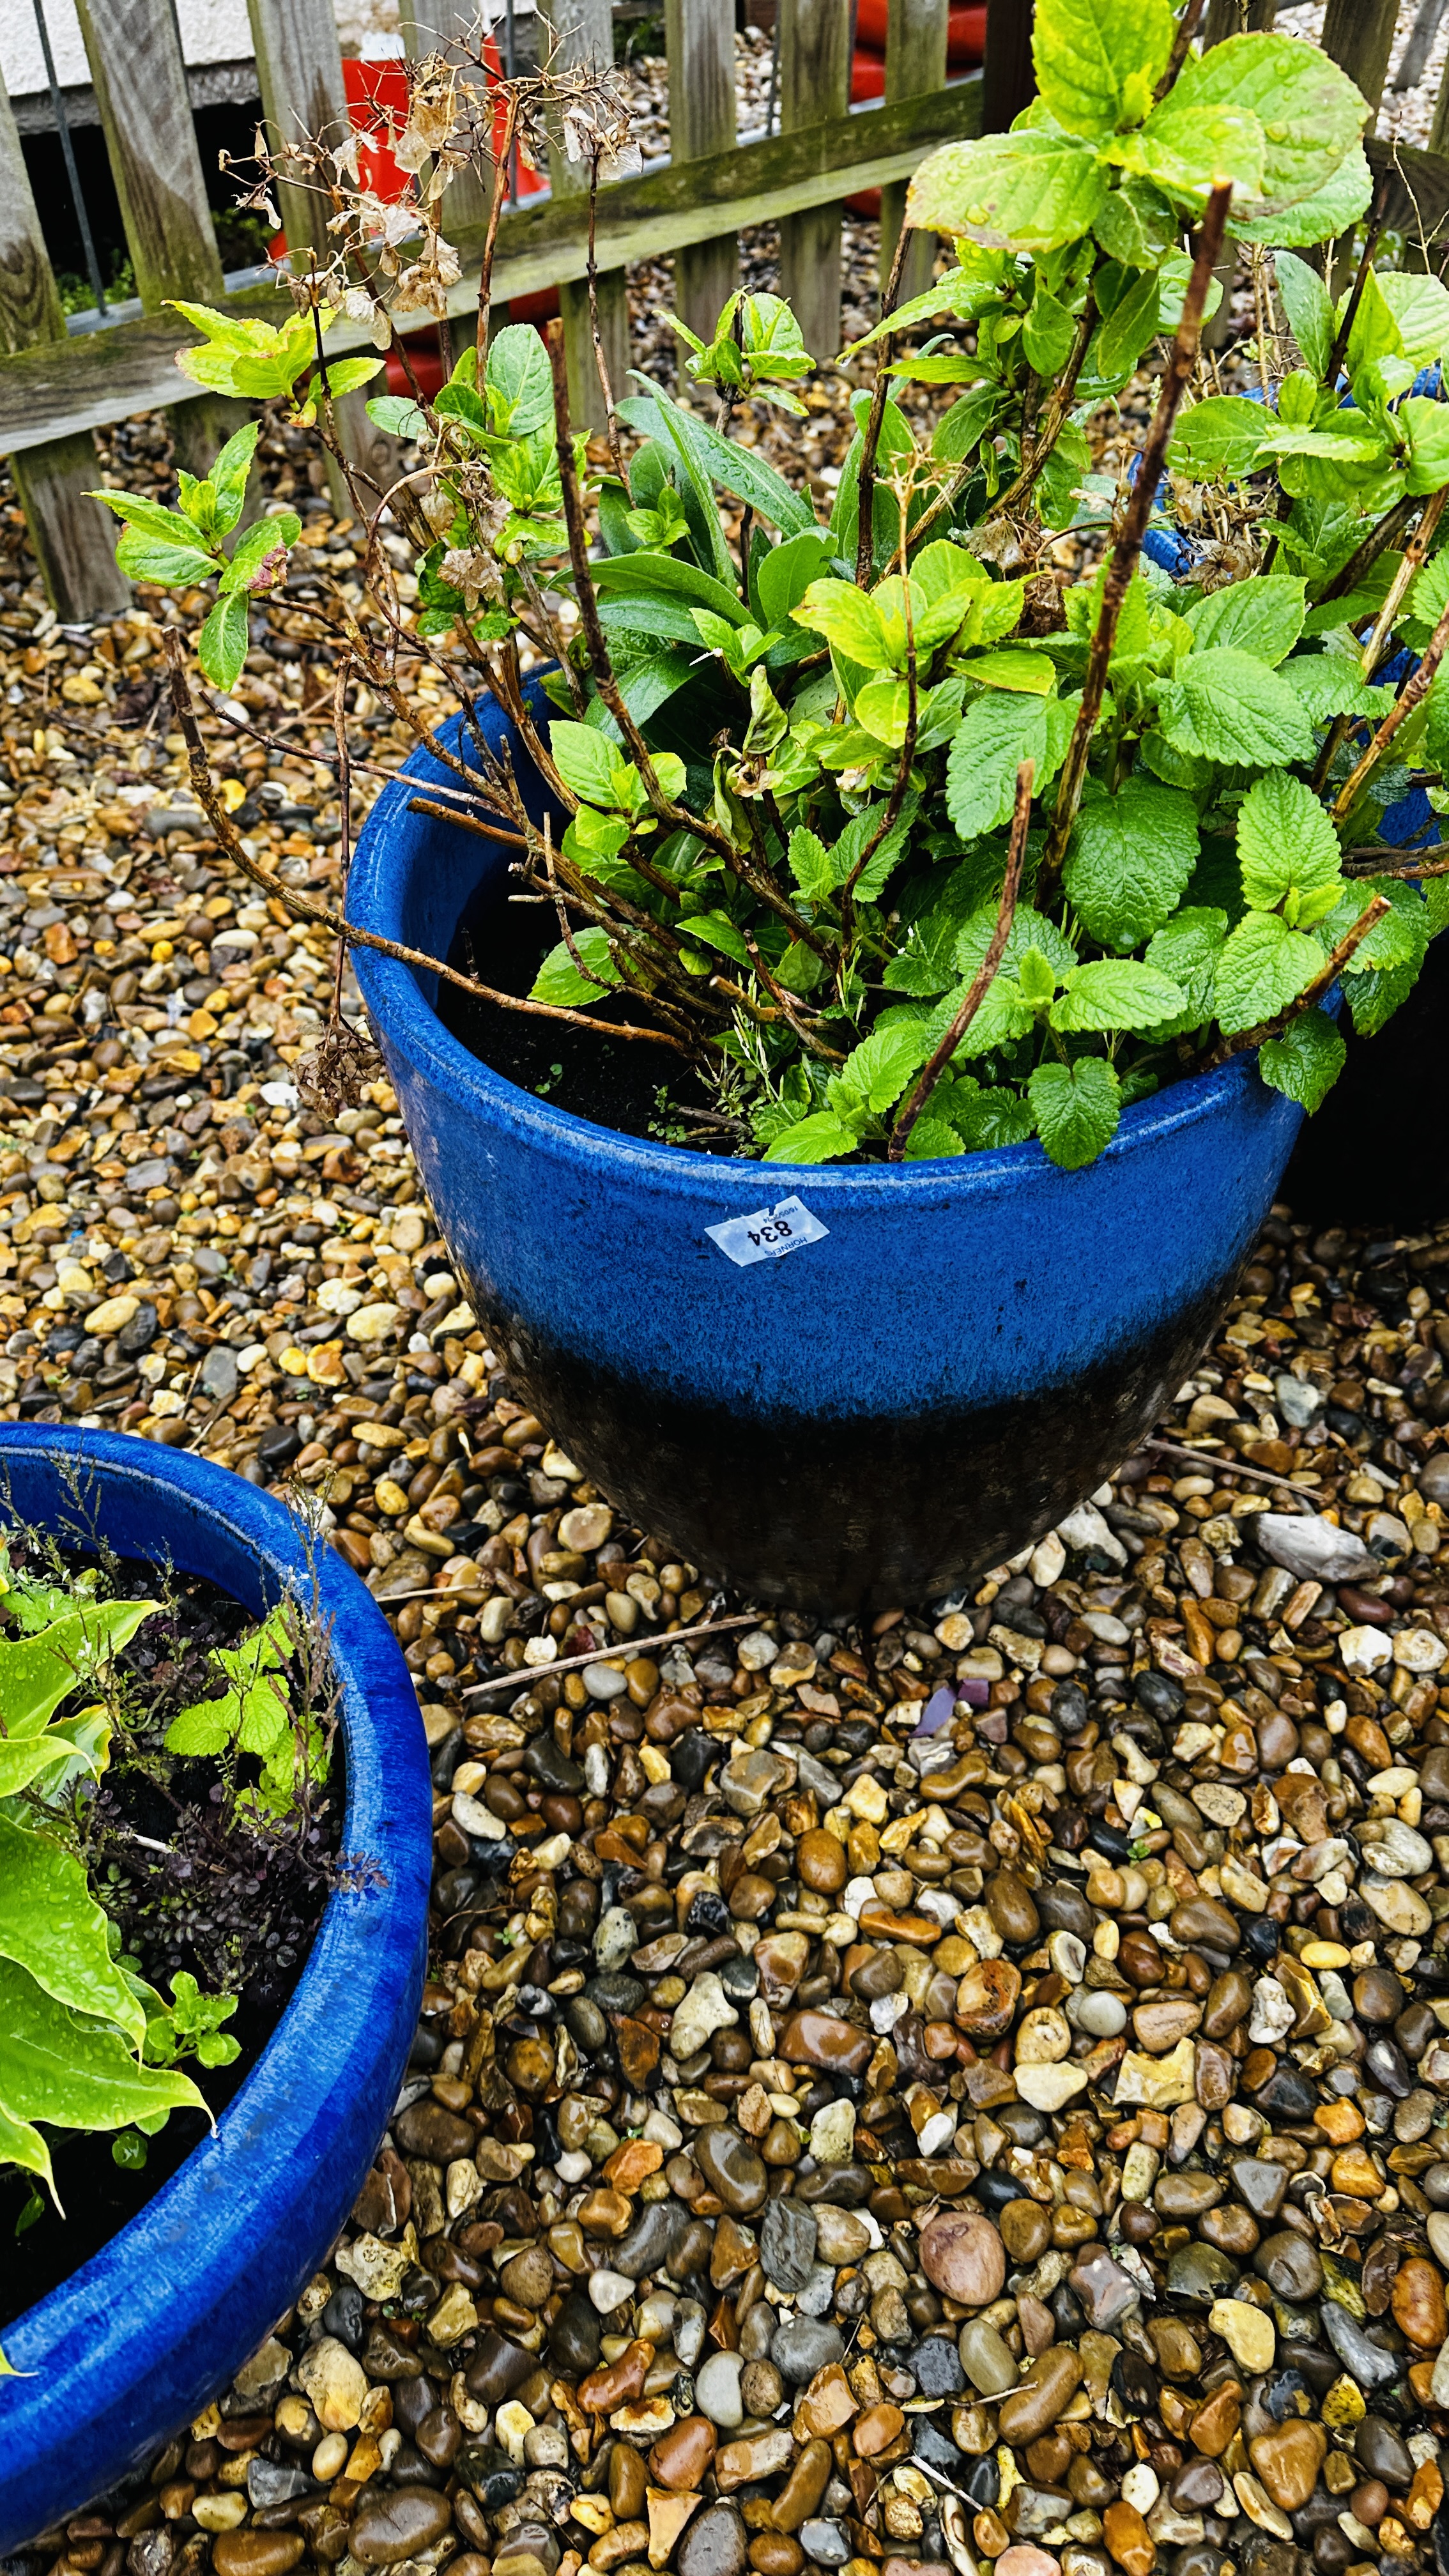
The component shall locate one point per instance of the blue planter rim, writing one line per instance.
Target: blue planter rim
(135, 2342)
(396, 997)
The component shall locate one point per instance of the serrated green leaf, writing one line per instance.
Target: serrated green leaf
(1306, 1061)
(1329, 684)
(932, 1140)
(716, 930)
(1077, 1108)
(1228, 706)
(1332, 209)
(1129, 860)
(1097, 62)
(997, 733)
(1287, 846)
(558, 979)
(585, 760)
(1184, 150)
(1263, 967)
(876, 1072)
(206, 1728)
(992, 1119)
(1116, 993)
(1262, 616)
(1188, 948)
(1022, 191)
(820, 1138)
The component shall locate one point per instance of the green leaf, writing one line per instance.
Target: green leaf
(1077, 1108)
(1116, 993)
(1228, 706)
(558, 979)
(341, 376)
(1029, 929)
(1047, 333)
(73, 2072)
(998, 732)
(1218, 440)
(37, 1673)
(1098, 61)
(1262, 616)
(1027, 190)
(585, 759)
(876, 1072)
(206, 1728)
(744, 473)
(931, 1140)
(22, 2145)
(1127, 330)
(1130, 858)
(519, 381)
(1263, 967)
(1188, 948)
(221, 647)
(399, 415)
(992, 1119)
(1137, 225)
(821, 1138)
(1310, 112)
(666, 577)
(1287, 846)
(1306, 1061)
(850, 621)
(51, 1926)
(1427, 425)
(1420, 306)
(1184, 150)
(1329, 684)
(715, 930)
(1309, 309)
(785, 574)
(1332, 209)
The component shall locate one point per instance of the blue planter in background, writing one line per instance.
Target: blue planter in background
(891, 1408)
(137, 2341)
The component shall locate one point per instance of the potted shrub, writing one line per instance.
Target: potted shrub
(131, 2345)
(1002, 914)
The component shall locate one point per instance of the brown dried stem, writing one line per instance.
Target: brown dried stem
(600, 361)
(1308, 999)
(1185, 31)
(495, 211)
(1134, 528)
(982, 979)
(870, 439)
(1364, 557)
(1414, 554)
(1416, 687)
(307, 908)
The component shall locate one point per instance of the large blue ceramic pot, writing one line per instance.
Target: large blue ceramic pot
(963, 1351)
(136, 2342)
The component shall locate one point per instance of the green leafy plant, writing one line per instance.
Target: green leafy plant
(893, 843)
(252, 1713)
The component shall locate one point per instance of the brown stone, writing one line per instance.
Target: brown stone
(821, 1863)
(604, 2213)
(776, 2553)
(1288, 2461)
(258, 2553)
(826, 2406)
(806, 2484)
(681, 2456)
(389, 2528)
(1139, 1959)
(1128, 2538)
(1229, 2000)
(882, 1923)
(759, 2455)
(819, 2039)
(1159, 2025)
(1201, 1918)
(639, 2050)
(1010, 1904)
(987, 1997)
(1216, 2420)
(1026, 2230)
(1041, 2396)
(876, 2429)
(1417, 2299)
(962, 2255)
(781, 1958)
(530, 2066)
(618, 2383)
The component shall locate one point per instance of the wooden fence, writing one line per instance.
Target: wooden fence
(56, 388)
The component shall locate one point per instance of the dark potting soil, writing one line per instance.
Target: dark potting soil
(234, 1902)
(622, 1083)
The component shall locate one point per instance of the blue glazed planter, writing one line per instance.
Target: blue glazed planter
(887, 1410)
(137, 2341)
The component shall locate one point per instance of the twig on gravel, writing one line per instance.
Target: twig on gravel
(526, 1673)
(1230, 1467)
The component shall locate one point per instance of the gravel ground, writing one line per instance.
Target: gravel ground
(967, 2093)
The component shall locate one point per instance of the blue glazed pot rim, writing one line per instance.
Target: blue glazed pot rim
(130, 2344)
(397, 1003)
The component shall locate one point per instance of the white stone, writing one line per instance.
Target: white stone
(1399, 1907)
(717, 2391)
(1139, 2171)
(1273, 2016)
(1086, 1528)
(609, 2290)
(1050, 2088)
(109, 1317)
(373, 1323)
(1141, 2487)
(705, 2009)
(1395, 1850)
(379, 2269)
(1313, 1549)
(1439, 2384)
(1047, 1560)
(1437, 2230)
(334, 2380)
(1419, 1650)
(1158, 2083)
(1363, 1650)
(463, 2184)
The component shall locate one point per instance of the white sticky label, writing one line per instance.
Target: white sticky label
(768, 1234)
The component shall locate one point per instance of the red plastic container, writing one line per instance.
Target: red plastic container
(965, 35)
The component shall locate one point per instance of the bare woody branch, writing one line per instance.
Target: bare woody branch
(981, 981)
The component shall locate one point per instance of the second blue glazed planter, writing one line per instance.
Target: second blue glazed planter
(130, 2348)
(960, 1352)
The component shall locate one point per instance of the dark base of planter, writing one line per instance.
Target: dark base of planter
(850, 1516)
(1365, 1158)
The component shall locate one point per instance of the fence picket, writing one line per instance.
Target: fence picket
(582, 32)
(1358, 35)
(916, 32)
(299, 69)
(700, 42)
(814, 84)
(69, 534)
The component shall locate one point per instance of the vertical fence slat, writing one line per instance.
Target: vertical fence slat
(916, 32)
(700, 40)
(814, 83)
(72, 537)
(1358, 35)
(1236, 18)
(581, 32)
(299, 70)
(134, 52)
(449, 27)
(1008, 81)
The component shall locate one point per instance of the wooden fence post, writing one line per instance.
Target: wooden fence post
(916, 33)
(445, 27)
(814, 83)
(700, 42)
(299, 69)
(73, 538)
(1223, 18)
(134, 52)
(582, 33)
(1358, 35)
(1008, 81)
